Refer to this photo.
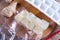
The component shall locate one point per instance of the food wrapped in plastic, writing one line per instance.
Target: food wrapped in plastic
(9, 10)
(31, 23)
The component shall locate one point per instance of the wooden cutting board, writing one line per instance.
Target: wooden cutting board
(39, 14)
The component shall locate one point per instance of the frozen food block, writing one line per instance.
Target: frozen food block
(9, 10)
(44, 24)
(31, 22)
